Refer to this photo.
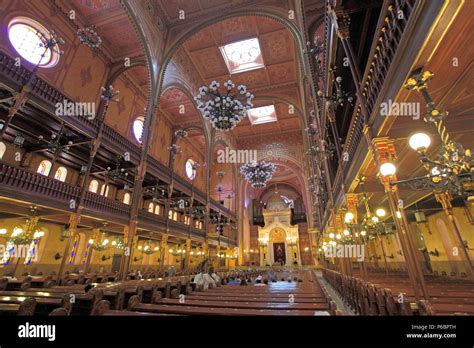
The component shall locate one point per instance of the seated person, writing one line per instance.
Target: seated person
(258, 280)
(215, 277)
(235, 280)
(243, 282)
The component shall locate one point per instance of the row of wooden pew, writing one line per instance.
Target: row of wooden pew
(80, 299)
(299, 294)
(392, 294)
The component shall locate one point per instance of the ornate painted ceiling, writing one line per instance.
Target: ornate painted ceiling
(273, 84)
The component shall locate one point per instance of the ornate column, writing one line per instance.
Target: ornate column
(72, 231)
(164, 251)
(188, 253)
(384, 151)
(352, 200)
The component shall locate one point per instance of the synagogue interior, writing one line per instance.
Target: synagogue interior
(218, 157)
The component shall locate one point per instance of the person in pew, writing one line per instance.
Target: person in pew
(235, 280)
(215, 276)
(172, 271)
(243, 282)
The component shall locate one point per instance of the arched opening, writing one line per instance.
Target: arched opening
(126, 198)
(94, 186)
(3, 148)
(61, 174)
(44, 167)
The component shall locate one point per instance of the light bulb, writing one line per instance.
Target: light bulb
(139, 247)
(388, 169)
(363, 233)
(331, 235)
(338, 236)
(399, 215)
(419, 141)
(375, 219)
(348, 217)
(346, 232)
(3, 231)
(380, 212)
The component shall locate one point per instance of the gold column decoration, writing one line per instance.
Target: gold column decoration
(95, 236)
(164, 255)
(352, 200)
(188, 253)
(73, 221)
(385, 152)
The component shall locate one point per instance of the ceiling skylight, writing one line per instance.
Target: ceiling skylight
(242, 55)
(263, 114)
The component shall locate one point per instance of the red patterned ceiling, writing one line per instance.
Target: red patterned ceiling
(112, 24)
(278, 77)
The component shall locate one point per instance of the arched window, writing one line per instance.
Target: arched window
(170, 214)
(190, 171)
(27, 36)
(126, 198)
(94, 186)
(44, 167)
(138, 128)
(157, 209)
(61, 174)
(151, 207)
(3, 148)
(104, 191)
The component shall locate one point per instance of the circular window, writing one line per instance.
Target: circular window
(190, 171)
(138, 128)
(28, 38)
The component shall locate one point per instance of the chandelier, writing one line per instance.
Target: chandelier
(89, 37)
(258, 173)
(225, 110)
(147, 248)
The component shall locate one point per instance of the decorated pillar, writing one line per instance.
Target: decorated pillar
(188, 253)
(384, 152)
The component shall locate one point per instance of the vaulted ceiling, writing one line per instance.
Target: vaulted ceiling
(273, 84)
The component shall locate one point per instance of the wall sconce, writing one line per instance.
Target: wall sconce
(136, 259)
(434, 253)
(105, 258)
(57, 256)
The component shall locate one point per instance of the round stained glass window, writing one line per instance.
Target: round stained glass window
(27, 37)
(190, 171)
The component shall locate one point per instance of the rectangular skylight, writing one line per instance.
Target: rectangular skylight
(262, 114)
(242, 55)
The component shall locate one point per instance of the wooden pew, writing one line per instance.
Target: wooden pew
(24, 308)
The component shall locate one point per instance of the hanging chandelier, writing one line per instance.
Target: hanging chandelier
(225, 110)
(89, 37)
(258, 173)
